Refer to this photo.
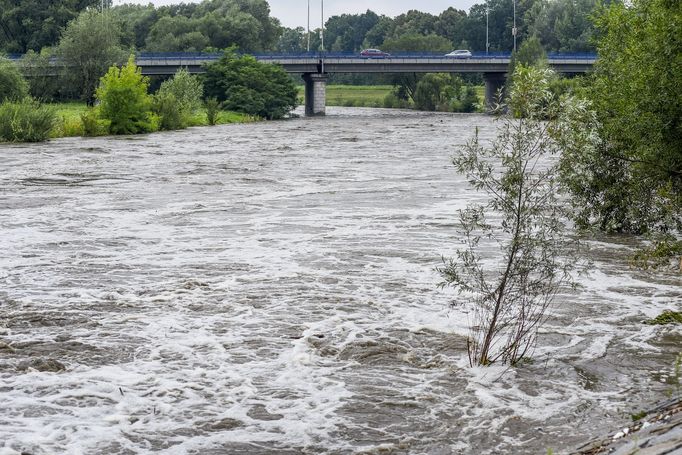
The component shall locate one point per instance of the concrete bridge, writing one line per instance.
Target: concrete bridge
(315, 68)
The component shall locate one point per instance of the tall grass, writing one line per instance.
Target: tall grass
(26, 121)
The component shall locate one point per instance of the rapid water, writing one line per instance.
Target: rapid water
(270, 288)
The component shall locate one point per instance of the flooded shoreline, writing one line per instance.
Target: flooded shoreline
(271, 288)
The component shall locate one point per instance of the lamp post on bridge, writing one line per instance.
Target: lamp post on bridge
(514, 30)
(308, 27)
(322, 24)
(487, 21)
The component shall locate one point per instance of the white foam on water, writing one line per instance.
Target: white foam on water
(272, 287)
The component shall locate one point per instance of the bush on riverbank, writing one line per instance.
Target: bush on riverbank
(26, 121)
(13, 86)
(124, 100)
(245, 85)
(177, 100)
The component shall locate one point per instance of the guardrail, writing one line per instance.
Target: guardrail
(349, 55)
(202, 57)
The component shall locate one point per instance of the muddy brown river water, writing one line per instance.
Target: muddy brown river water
(270, 288)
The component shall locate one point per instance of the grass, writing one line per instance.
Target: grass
(362, 95)
(353, 95)
(70, 125)
(667, 317)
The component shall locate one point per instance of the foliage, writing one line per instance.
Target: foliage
(245, 85)
(347, 31)
(124, 101)
(418, 43)
(88, 47)
(659, 253)
(33, 24)
(444, 92)
(216, 24)
(26, 121)
(562, 25)
(92, 124)
(667, 317)
(213, 107)
(186, 89)
(13, 86)
(171, 117)
(631, 180)
(509, 300)
(392, 101)
(39, 74)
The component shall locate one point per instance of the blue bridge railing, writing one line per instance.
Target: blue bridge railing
(200, 56)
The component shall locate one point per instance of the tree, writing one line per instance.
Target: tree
(631, 181)
(89, 46)
(177, 99)
(33, 24)
(39, 73)
(562, 25)
(509, 300)
(124, 101)
(347, 32)
(13, 86)
(245, 85)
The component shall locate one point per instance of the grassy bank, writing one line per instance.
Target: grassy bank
(69, 119)
(362, 95)
(353, 95)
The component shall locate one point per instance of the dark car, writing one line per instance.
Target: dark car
(374, 53)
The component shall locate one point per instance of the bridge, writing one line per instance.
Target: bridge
(315, 67)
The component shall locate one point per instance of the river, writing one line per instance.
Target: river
(270, 288)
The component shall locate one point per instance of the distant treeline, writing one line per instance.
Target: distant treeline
(212, 25)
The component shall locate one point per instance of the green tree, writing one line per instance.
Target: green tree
(177, 99)
(39, 73)
(13, 86)
(89, 46)
(562, 25)
(33, 24)
(508, 301)
(124, 101)
(631, 180)
(245, 85)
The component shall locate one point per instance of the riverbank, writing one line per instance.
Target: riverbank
(362, 95)
(69, 122)
(658, 432)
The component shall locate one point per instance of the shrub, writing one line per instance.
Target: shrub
(70, 127)
(213, 107)
(245, 85)
(92, 124)
(186, 89)
(26, 121)
(124, 101)
(509, 300)
(171, 117)
(13, 86)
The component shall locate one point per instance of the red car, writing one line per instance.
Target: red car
(374, 53)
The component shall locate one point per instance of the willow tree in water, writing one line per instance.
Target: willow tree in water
(508, 295)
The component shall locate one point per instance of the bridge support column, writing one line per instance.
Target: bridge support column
(494, 82)
(315, 94)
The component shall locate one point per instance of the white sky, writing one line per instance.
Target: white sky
(292, 13)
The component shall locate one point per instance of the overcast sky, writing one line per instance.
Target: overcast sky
(292, 13)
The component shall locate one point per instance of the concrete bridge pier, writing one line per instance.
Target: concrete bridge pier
(315, 93)
(494, 82)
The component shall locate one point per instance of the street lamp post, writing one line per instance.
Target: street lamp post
(514, 29)
(322, 26)
(308, 28)
(487, 22)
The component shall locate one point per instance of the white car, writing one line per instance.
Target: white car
(460, 53)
